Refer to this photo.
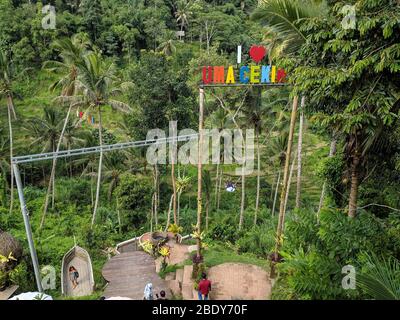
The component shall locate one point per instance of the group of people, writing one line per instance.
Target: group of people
(203, 290)
(149, 295)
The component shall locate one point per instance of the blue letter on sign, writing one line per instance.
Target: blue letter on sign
(243, 77)
(265, 70)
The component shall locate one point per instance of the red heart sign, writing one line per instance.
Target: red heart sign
(257, 53)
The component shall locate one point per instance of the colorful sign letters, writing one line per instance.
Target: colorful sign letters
(253, 74)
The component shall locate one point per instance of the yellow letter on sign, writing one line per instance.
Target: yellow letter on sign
(255, 74)
(273, 74)
(230, 77)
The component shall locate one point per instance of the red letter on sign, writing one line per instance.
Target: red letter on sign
(219, 74)
(207, 74)
(280, 77)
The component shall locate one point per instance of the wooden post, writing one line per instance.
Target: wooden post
(199, 167)
(284, 187)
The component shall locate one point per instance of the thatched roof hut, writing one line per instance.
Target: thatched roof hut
(8, 244)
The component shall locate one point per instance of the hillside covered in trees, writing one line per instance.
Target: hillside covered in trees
(112, 70)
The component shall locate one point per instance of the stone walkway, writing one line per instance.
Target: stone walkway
(128, 273)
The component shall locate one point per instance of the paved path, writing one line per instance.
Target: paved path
(128, 273)
(239, 281)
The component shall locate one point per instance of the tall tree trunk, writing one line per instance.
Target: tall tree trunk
(9, 109)
(53, 194)
(155, 179)
(157, 196)
(242, 202)
(53, 171)
(216, 185)
(276, 192)
(207, 209)
(199, 169)
(258, 177)
(219, 187)
(118, 216)
(10, 103)
(299, 152)
(169, 213)
(179, 207)
(288, 187)
(174, 191)
(332, 152)
(279, 230)
(96, 203)
(354, 185)
(91, 188)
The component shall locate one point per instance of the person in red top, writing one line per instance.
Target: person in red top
(204, 287)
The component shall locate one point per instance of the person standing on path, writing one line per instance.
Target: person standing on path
(204, 287)
(148, 292)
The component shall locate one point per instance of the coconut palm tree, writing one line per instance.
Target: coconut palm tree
(89, 161)
(45, 131)
(71, 52)
(183, 14)
(168, 47)
(381, 279)
(98, 81)
(114, 167)
(219, 120)
(6, 78)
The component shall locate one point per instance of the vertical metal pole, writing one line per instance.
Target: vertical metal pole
(28, 228)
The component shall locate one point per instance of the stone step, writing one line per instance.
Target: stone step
(170, 276)
(187, 274)
(175, 287)
(187, 283)
(179, 275)
(187, 292)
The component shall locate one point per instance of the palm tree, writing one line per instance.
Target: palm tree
(254, 112)
(219, 120)
(278, 149)
(182, 14)
(381, 280)
(98, 82)
(6, 78)
(71, 52)
(114, 167)
(44, 132)
(167, 47)
(89, 161)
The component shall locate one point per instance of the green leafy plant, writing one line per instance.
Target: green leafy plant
(380, 277)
